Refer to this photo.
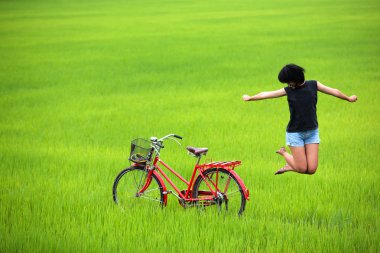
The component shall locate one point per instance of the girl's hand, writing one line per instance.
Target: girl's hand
(246, 97)
(353, 98)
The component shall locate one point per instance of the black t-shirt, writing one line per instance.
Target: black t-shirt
(303, 107)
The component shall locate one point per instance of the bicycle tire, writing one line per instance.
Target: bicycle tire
(129, 182)
(231, 197)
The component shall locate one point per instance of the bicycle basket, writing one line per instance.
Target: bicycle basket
(140, 149)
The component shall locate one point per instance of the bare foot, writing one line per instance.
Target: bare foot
(281, 151)
(283, 169)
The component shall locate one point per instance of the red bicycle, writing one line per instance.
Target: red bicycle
(213, 184)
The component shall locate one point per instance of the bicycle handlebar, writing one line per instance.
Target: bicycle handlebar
(170, 135)
(157, 143)
(177, 136)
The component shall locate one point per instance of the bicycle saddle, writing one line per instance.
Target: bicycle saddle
(197, 151)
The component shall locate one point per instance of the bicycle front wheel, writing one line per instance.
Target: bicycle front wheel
(129, 192)
(229, 195)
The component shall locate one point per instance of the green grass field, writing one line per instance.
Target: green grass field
(80, 79)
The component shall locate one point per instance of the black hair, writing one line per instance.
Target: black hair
(292, 74)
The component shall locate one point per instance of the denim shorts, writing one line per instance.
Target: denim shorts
(300, 139)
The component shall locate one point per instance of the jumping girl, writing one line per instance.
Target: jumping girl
(302, 134)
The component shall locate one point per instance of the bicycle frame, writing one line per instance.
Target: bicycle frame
(187, 194)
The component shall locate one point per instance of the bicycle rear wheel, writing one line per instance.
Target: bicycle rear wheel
(230, 197)
(128, 185)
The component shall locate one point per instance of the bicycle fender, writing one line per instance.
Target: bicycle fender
(240, 181)
(159, 179)
(245, 189)
(163, 186)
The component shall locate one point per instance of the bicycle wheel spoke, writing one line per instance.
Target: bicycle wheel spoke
(232, 193)
(156, 189)
(227, 184)
(153, 199)
(138, 181)
(229, 195)
(145, 175)
(128, 188)
(135, 180)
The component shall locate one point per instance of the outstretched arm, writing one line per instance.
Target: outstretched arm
(336, 93)
(265, 95)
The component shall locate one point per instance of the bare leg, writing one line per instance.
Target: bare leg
(296, 162)
(288, 157)
(312, 157)
(284, 169)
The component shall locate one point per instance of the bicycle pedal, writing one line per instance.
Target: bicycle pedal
(167, 192)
